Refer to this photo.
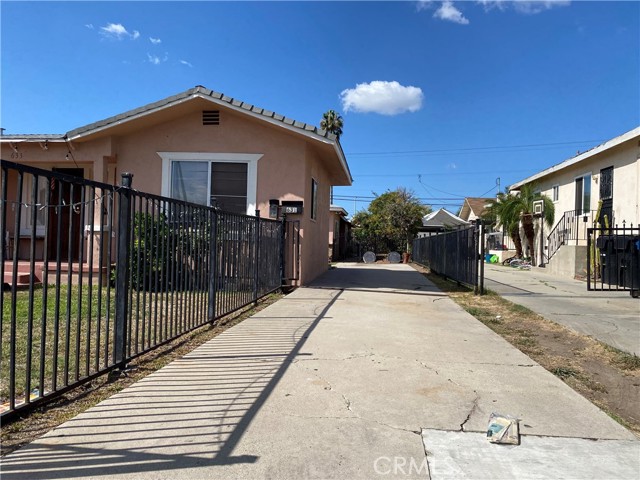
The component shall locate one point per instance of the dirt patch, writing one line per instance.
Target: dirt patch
(608, 377)
(43, 419)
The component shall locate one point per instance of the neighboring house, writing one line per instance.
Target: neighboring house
(440, 221)
(473, 208)
(206, 148)
(605, 179)
(339, 233)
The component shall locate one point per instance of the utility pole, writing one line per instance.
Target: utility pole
(542, 238)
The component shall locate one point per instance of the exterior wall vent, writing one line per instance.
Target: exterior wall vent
(211, 117)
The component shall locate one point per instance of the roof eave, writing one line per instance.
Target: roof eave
(308, 131)
(114, 121)
(614, 142)
(33, 138)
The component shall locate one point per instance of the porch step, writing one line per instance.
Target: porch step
(23, 268)
(22, 279)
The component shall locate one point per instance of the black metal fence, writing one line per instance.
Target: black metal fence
(95, 275)
(454, 254)
(613, 259)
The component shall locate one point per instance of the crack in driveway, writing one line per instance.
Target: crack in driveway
(474, 407)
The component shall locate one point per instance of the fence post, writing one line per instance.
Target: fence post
(283, 241)
(480, 247)
(589, 266)
(122, 271)
(256, 264)
(213, 265)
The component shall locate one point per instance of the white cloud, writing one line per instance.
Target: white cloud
(448, 11)
(385, 98)
(117, 31)
(184, 62)
(523, 6)
(532, 7)
(156, 59)
(89, 26)
(423, 5)
(155, 41)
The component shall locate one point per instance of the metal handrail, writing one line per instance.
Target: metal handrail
(568, 229)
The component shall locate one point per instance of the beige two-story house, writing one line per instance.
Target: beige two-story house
(599, 187)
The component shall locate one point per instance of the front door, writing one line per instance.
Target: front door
(64, 220)
(606, 196)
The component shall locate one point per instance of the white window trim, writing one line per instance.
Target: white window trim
(251, 159)
(25, 219)
(586, 174)
(314, 199)
(554, 186)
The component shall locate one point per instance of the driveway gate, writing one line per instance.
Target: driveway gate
(613, 259)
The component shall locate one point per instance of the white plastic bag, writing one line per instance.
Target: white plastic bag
(503, 429)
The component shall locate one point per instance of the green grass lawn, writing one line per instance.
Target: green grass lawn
(72, 320)
(78, 328)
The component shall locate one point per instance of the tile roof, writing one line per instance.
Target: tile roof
(200, 91)
(197, 92)
(477, 205)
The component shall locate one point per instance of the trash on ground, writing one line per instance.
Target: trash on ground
(503, 429)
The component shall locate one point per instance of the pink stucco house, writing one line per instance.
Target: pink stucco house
(207, 148)
(339, 233)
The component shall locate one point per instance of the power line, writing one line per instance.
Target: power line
(363, 198)
(474, 149)
(356, 175)
(441, 191)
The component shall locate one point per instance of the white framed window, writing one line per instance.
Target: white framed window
(225, 180)
(314, 199)
(583, 193)
(555, 192)
(26, 215)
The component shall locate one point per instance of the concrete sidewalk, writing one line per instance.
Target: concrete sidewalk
(369, 373)
(613, 317)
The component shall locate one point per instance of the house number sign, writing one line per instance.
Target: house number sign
(291, 209)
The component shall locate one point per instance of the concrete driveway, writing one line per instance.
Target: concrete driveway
(372, 372)
(612, 317)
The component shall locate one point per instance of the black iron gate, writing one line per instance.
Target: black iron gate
(613, 259)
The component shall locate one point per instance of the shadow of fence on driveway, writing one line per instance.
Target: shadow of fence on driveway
(189, 415)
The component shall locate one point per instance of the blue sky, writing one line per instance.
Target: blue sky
(439, 97)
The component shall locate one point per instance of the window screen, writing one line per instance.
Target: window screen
(189, 181)
(229, 186)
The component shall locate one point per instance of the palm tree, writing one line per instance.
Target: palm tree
(332, 122)
(521, 206)
(500, 213)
